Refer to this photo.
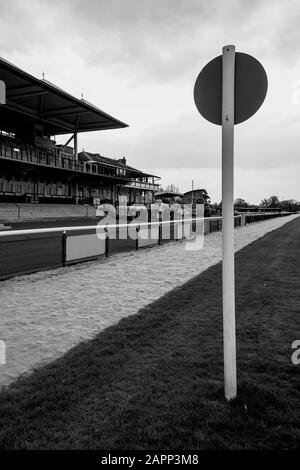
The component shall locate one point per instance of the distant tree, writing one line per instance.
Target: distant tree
(239, 202)
(217, 205)
(273, 201)
(264, 202)
(170, 188)
(290, 205)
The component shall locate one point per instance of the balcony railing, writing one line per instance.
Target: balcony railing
(143, 185)
(55, 159)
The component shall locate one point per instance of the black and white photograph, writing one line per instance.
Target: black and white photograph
(149, 229)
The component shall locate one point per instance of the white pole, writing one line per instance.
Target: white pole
(2, 92)
(230, 380)
(192, 192)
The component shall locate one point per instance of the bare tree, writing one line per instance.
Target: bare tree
(264, 202)
(273, 201)
(239, 202)
(171, 188)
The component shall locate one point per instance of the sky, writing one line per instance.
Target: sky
(138, 61)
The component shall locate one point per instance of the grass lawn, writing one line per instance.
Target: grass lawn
(155, 380)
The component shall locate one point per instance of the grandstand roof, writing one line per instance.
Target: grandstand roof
(119, 163)
(33, 100)
(195, 191)
(87, 156)
(167, 194)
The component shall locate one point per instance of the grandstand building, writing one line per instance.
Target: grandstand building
(34, 169)
(196, 196)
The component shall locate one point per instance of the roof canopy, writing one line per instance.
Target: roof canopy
(34, 100)
(96, 157)
(167, 194)
(119, 163)
(195, 191)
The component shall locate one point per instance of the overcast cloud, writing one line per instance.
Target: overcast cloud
(138, 60)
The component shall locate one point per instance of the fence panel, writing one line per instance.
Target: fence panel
(119, 239)
(84, 246)
(151, 234)
(25, 254)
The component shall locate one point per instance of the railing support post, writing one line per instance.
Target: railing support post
(160, 228)
(137, 238)
(64, 248)
(106, 242)
(172, 226)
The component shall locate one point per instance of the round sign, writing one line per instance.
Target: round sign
(250, 88)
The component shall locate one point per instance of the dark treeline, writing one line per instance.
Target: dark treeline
(272, 202)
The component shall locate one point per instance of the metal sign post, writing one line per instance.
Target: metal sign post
(2, 92)
(228, 281)
(228, 91)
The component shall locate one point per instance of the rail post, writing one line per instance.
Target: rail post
(160, 227)
(137, 237)
(194, 209)
(177, 226)
(64, 248)
(172, 226)
(106, 242)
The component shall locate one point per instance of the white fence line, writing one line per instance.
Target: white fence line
(114, 226)
(104, 227)
(80, 243)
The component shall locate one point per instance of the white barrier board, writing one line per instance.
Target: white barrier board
(187, 230)
(84, 246)
(148, 241)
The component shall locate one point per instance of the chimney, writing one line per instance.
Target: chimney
(122, 160)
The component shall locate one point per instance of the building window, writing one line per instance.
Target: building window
(121, 172)
(41, 187)
(60, 190)
(9, 186)
(18, 187)
(48, 189)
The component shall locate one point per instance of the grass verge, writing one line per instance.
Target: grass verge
(155, 380)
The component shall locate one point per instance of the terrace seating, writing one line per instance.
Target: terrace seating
(14, 212)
